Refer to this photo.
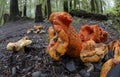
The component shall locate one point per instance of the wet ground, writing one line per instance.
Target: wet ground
(36, 62)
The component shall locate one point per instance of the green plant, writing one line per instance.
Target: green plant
(115, 10)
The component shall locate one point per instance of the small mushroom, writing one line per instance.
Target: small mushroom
(38, 27)
(42, 31)
(19, 45)
(36, 31)
(30, 31)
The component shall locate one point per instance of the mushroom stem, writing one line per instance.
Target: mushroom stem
(90, 67)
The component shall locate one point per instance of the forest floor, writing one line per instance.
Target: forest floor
(36, 61)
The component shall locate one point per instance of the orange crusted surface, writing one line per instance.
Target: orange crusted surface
(67, 41)
(70, 40)
(93, 32)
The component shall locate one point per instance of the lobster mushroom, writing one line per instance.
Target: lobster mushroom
(108, 65)
(63, 38)
(92, 52)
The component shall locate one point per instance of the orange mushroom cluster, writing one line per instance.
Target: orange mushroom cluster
(88, 44)
(65, 40)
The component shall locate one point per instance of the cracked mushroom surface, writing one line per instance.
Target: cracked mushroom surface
(108, 65)
(67, 39)
(19, 45)
(93, 32)
(93, 52)
(113, 44)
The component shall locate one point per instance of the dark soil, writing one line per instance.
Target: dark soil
(36, 61)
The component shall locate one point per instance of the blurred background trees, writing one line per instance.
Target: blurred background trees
(11, 10)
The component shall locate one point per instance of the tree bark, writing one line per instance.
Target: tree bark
(6, 17)
(38, 13)
(1, 15)
(70, 5)
(14, 11)
(92, 5)
(101, 6)
(48, 8)
(75, 4)
(25, 9)
(45, 11)
(65, 5)
(97, 6)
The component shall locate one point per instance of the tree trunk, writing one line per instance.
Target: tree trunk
(38, 13)
(48, 8)
(24, 12)
(97, 6)
(20, 13)
(65, 5)
(92, 5)
(25, 9)
(75, 4)
(6, 17)
(56, 4)
(14, 11)
(70, 4)
(45, 11)
(1, 15)
(101, 6)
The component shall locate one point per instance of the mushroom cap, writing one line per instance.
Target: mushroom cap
(58, 17)
(13, 47)
(24, 41)
(51, 18)
(38, 27)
